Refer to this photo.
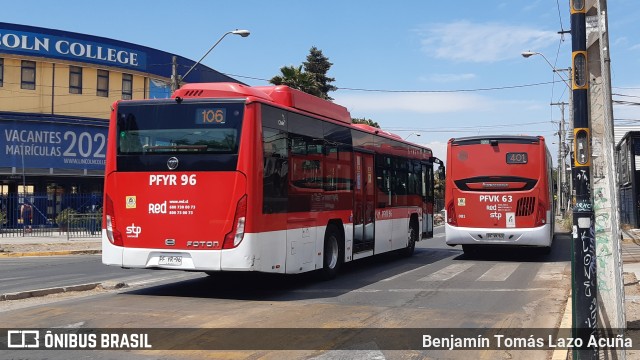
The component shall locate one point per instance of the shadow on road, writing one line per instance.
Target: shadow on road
(275, 287)
(560, 252)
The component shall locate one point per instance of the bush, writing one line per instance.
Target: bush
(64, 217)
(565, 224)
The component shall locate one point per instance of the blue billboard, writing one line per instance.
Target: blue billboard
(31, 43)
(50, 145)
(65, 45)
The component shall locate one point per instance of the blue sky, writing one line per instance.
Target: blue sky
(409, 58)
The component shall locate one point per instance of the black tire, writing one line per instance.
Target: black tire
(469, 249)
(333, 253)
(411, 240)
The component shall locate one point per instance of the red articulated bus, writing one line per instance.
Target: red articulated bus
(227, 177)
(499, 192)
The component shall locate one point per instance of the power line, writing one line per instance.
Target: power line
(633, 96)
(560, 17)
(474, 126)
(449, 91)
(506, 87)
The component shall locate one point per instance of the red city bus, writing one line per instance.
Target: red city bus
(499, 192)
(226, 177)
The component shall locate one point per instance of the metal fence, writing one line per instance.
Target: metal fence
(43, 214)
(84, 225)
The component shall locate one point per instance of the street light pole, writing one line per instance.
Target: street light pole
(413, 133)
(560, 200)
(527, 54)
(177, 79)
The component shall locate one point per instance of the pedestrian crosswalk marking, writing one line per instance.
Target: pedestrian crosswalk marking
(448, 272)
(499, 272)
(550, 271)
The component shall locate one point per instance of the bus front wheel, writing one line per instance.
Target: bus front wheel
(333, 253)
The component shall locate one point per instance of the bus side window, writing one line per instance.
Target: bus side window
(274, 180)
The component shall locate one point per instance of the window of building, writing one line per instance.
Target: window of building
(28, 75)
(1, 72)
(127, 86)
(75, 80)
(25, 190)
(103, 83)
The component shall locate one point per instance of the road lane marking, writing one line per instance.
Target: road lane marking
(448, 272)
(430, 253)
(73, 326)
(438, 235)
(550, 272)
(469, 290)
(499, 272)
(405, 273)
(352, 354)
(163, 278)
(472, 290)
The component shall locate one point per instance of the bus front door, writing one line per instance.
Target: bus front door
(364, 203)
(428, 207)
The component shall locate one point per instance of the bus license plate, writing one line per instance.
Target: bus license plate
(495, 236)
(170, 260)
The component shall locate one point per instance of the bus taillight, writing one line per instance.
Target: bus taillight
(114, 236)
(235, 236)
(541, 215)
(451, 215)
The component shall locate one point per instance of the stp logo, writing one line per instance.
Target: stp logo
(133, 231)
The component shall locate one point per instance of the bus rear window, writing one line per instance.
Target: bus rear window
(169, 127)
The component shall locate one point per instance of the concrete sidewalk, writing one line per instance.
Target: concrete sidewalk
(631, 251)
(55, 244)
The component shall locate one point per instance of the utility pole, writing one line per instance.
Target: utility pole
(604, 177)
(175, 78)
(561, 165)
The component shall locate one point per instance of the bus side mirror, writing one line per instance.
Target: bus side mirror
(441, 173)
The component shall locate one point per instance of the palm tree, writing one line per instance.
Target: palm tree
(295, 78)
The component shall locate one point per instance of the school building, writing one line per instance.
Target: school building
(56, 89)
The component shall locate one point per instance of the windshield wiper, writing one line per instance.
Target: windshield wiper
(175, 147)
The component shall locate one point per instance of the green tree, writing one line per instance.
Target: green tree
(295, 78)
(318, 65)
(365, 121)
(439, 184)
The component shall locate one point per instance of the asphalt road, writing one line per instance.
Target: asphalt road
(19, 274)
(439, 287)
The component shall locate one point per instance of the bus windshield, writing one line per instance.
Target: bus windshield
(168, 127)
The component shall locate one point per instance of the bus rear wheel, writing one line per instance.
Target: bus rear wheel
(333, 253)
(470, 249)
(412, 239)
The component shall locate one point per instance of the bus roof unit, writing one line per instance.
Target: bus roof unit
(297, 99)
(281, 95)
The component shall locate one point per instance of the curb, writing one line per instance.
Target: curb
(50, 253)
(44, 292)
(566, 323)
